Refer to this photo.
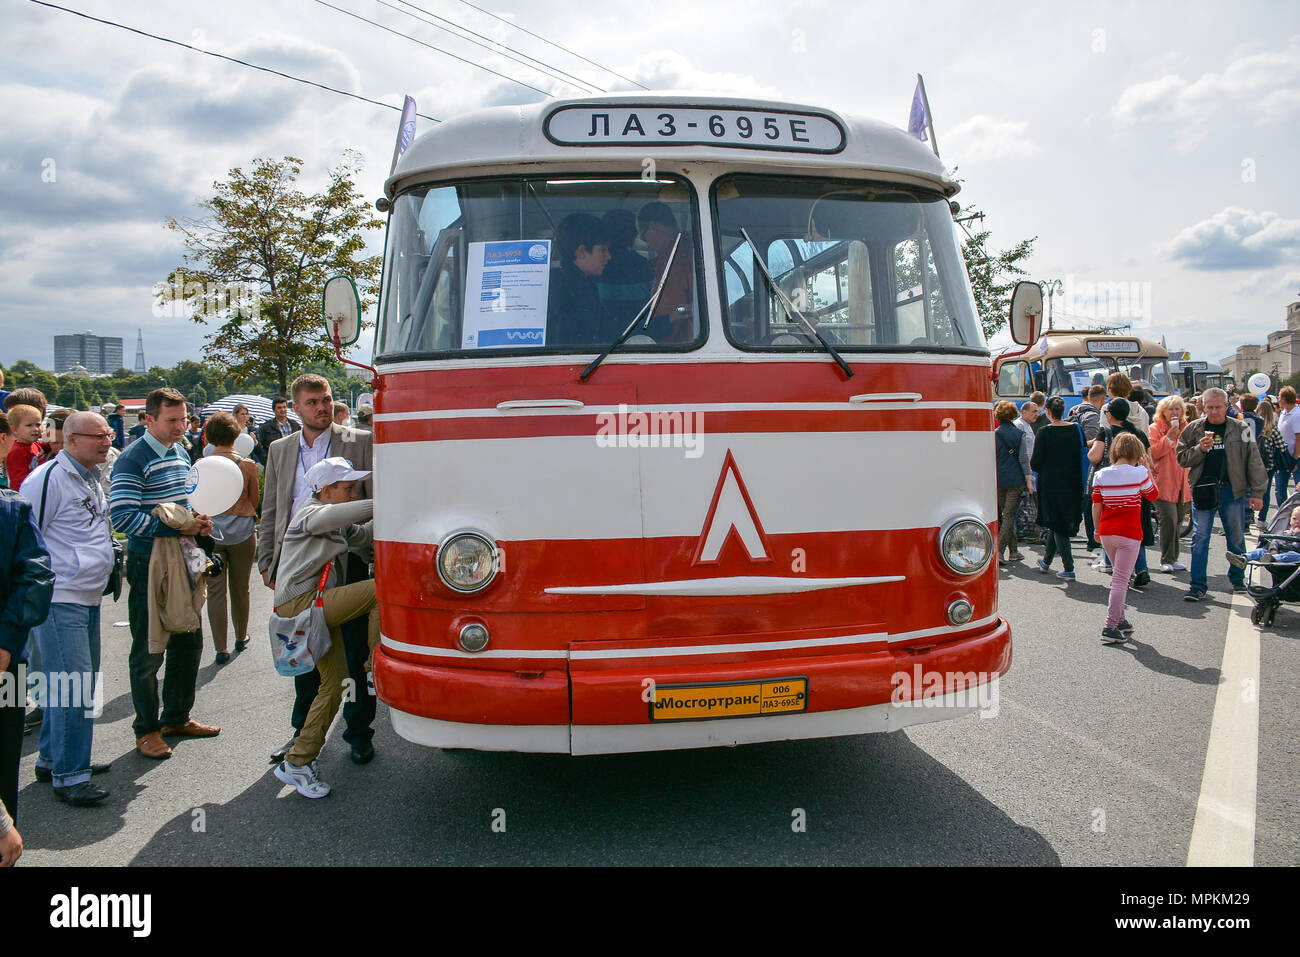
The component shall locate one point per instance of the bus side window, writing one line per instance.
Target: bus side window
(1013, 379)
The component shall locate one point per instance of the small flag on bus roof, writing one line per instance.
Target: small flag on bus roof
(405, 132)
(920, 123)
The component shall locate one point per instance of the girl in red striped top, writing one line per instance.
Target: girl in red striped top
(1117, 493)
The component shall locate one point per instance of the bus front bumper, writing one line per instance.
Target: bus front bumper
(602, 711)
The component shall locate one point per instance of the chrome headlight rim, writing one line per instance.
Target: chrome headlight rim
(474, 533)
(947, 528)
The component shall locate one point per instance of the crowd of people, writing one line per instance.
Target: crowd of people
(1131, 473)
(87, 505)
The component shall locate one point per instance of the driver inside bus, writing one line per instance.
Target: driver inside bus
(674, 319)
(575, 315)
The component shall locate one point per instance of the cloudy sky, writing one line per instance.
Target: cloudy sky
(1151, 147)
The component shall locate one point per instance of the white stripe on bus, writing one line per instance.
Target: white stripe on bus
(682, 650)
(569, 488)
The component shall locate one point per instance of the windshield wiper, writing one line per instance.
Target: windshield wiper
(648, 310)
(790, 309)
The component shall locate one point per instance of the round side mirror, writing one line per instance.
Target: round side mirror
(341, 309)
(1026, 312)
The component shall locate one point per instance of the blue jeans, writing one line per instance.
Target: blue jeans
(1285, 558)
(1232, 512)
(1280, 480)
(69, 643)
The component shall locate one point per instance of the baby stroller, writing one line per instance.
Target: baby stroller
(1284, 577)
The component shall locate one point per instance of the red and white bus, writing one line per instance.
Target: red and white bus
(639, 488)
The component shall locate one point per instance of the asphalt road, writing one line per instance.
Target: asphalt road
(1096, 757)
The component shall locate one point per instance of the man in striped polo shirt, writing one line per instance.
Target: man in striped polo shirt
(151, 471)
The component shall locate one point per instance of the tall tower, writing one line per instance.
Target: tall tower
(139, 353)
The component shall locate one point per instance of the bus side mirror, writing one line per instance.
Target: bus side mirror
(1026, 312)
(341, 310)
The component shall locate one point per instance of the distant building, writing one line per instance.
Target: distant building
(1279, 357)
(100, 355)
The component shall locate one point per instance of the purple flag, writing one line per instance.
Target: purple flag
(916, 122)
(405, 133)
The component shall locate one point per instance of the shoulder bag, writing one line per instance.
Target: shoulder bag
(114, 585)
(299, 643)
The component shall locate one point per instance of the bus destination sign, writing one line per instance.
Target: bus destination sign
(637, 125)
(1114, 347)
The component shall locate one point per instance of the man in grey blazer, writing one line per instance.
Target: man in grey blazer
(287, 461)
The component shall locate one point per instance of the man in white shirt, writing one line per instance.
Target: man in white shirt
(1288, 424)
(71, 510)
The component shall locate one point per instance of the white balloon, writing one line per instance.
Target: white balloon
(1260, 382)
(244, 444)
(214, 485)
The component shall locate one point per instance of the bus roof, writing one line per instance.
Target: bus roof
(511, 136)
(1058, 343)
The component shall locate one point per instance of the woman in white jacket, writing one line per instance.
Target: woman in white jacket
(71, 510)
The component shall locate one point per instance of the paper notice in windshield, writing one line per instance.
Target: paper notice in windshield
(506, 285)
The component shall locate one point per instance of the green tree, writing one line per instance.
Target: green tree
(257, 261)
(993, 274)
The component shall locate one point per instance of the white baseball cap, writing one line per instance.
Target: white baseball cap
(333, 469)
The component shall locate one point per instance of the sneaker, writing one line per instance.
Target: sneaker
(1179, 567)
(1167, 568)
(1125, 627)
(1194, 595)
(1067, 576)
(303, 778)
(1140, 580)
(1112, 636)
(1043, 566)
(1015, 557)
(1237, 561)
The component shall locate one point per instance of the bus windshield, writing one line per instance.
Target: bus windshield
(871, 265)
(539, 264)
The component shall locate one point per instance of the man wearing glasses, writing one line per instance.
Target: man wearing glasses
(71, 510)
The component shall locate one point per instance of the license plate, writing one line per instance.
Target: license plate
(732, 699)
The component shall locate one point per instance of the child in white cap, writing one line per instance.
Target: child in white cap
(324, 529)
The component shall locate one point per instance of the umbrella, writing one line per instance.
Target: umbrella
(258, 407)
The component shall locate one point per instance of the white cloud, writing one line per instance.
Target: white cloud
(989, 139)
(1235, 238)
(1266, 84)
(669, 70)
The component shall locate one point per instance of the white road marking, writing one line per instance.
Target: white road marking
(1224, 832)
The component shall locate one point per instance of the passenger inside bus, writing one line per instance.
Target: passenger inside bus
(626, 283)
(575, 314)
(673, 320)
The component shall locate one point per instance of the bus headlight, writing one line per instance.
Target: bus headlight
(467, 561)
(965, 545)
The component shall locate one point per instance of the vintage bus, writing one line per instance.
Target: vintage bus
(682, 432)
(1192, 376)
(1064, 362)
